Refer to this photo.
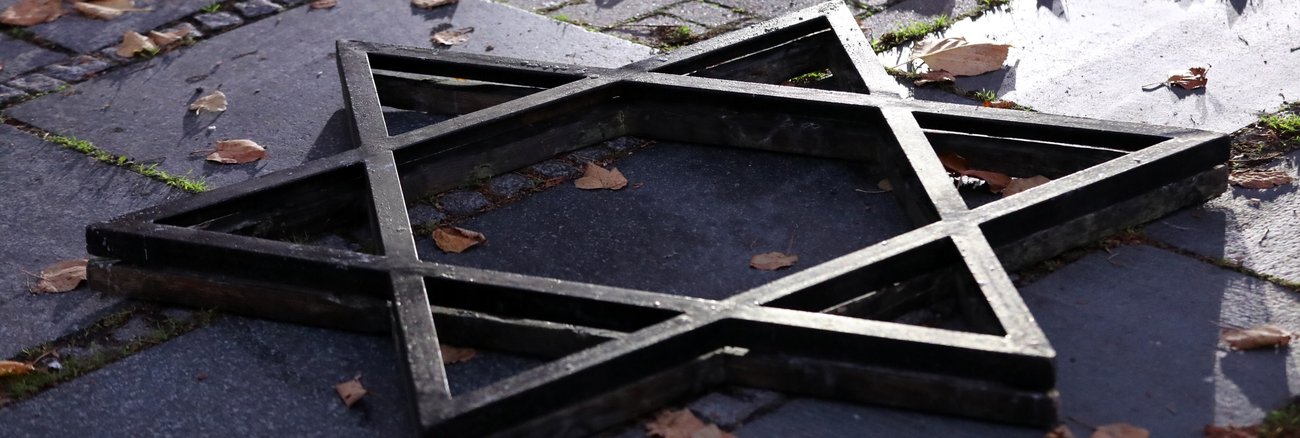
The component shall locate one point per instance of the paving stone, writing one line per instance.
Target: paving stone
(1060, 68)
(8, 95)
(77, 69)
(912, 11)
(532, 5)
(552, 169)
(86, 35)
(609, 12)
(257, 8)
(286, 97)
(18, 57)
(1264, 238)
(423, 214)
(623, 144)
(246, 377)
(769, 8)
(36, 83)
(136, 327)
(688, 223)
(189, 29)
(729, 408)
(61, 191)
(463, 203)
(589, 154)
(509, 185)
(655, 29)
(705, 13)
(1135, 342)
(218, 20)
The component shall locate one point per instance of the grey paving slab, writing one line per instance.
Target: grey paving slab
(77, 68)
(50, 196)
(606, 13)
(1136, 341)
(1092, 59)
(36, 83)
(285, 96)
(85, 35)
(651, 29)
(705, 13)
(218, 20)
(10, 94)
(688, 222)
(18, 57)
(1258, 228)
(238, 377)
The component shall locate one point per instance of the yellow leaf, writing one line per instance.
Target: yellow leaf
(771, 261)
(452, 354)
(132, 43)
(214, 102)
(1018, 185)
(350, 391)
(430, 4)
(596, 178)
(105, 9)
(165, 39)
(953, 163)
(452, 37)
(1120, 430)
(1261, 336)
(959, 57)
(456, 239)
(885, 185)
(237, 152)
(11, 368)
(60, 277)
(32, 12)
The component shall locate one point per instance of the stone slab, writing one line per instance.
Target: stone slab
(237, 377)
(285, 94)
(1092, 59)
(84, 35)
(908, 12)
(18, 57)
(688, 222)
(1258, 228)
(1136, 342)
(605, 13)
(51, 195)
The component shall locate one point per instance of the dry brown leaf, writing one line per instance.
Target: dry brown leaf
(1260, 336)
(214, 102)
(323, 4)
(452, 37)
(674, 424)
(237, 152)
(106, 9)
(771, 261)
(11, 368)
(456, 239)
(430, 4)
(452, 354)
(1061, 431)
(885, 185)
(61, 276)
(596, 178)
(132, 43)
(32, 12)
(1191, 79)
(350, 391)
(1000, 104)
(953, 163)
(1259, 179)
(997, 181)
(1018, 185)
(935, 77)
(959, 57)
(711, 431)
(1212, 431)
(1120, 430)
(167, 39)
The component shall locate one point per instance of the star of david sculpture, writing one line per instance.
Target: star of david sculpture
(618, 353)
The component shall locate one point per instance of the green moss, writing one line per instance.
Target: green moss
(211, 8)
(181, 182)
(1288, 124)
(910, 32)
(986, 95)
(1282, 423)
(808, 78)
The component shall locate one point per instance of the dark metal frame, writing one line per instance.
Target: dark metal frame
(823, 331)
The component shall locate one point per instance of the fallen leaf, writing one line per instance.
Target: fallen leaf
(11, 368)
(953, 163)
(430, 4)
(214, 102)
(1261, 336)
(452, 354)
(1018, 185)
(959, 57)
(997, 181)
(1259, 179)
(1212, 431)
(934, 77)
(237, 152)
(132, 43)
(1061, 431)
(596, 178)
(1191, 79)
(674, 424)
(456, 239)
(166, 39)
(1000, 104)
(30, 12)
(106, 9)
(61, 276)
(1120, 430)
(452, 37)
(350, 391)
(711, 431)
(885, 185)
(323, 4)
(771, 261)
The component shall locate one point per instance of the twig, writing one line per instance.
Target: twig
(1265, 236)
